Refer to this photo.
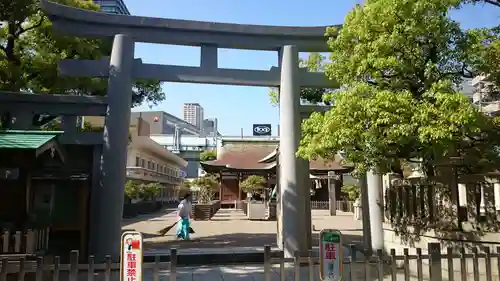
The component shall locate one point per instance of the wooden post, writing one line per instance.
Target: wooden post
(435, 269)
(221, 177)
(332, 198)
(454, 204)
(238, 177)
(6, 240)
(17, 242)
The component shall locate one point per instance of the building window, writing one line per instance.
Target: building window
(149, 165)
(137, 161)
(153, 166)
(109, 9)
(143, 163)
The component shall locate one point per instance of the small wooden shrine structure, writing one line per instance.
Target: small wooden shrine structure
(240, 157)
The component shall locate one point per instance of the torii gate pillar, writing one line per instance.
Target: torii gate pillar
(291, 176)
(107, 202)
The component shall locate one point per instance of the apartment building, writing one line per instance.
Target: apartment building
(193, 113)
(113, 6)
(486, 95)
(148, 161)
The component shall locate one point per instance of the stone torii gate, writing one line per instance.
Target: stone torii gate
(121, 69)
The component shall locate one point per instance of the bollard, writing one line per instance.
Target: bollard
(435, 262)
(267, 262)
(173, 264)
(73, 265)
(296, 265)
(282, 266)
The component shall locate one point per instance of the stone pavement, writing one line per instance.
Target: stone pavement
(231, 229)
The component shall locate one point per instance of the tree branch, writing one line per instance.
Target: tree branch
(23, 30)
(493, 2)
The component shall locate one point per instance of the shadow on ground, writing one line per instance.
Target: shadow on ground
(232, 240)
(156, 216)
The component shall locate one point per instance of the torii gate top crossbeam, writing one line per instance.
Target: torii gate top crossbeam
(80, 22)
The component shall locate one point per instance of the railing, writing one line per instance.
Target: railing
(344, 206)
(152, 175)
(380, 266)
(28, 242)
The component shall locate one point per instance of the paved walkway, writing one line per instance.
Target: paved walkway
(231, 229)
(256, 273)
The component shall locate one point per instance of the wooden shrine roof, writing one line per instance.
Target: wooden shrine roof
(261, 158)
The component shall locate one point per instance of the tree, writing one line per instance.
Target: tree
(400, 63)
(55, 125)
(491, 2)
(208, 155)
(183, 189)
(253, 184)
(142, 191)
(486, 56)
(208, 186)
(151, 190)
(132, 189)
(314, 63)
(353, 191)
(30, 51)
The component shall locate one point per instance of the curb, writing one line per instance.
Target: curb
(213, 258)
(229, 258)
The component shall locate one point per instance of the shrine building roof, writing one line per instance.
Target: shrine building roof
(260, 157)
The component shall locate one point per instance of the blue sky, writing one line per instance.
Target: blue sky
(239, 107)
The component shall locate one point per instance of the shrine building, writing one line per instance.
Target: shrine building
(239, 157)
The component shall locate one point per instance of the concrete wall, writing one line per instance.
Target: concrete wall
(157, 126)
(164, 123)
(139, 127)
(192, 169)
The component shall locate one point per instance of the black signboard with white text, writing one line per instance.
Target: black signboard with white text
(262, 129)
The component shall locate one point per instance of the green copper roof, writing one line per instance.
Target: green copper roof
(14, 139)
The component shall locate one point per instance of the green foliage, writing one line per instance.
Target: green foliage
(208, 155)
(136, 190)
(208, 185)
(56, 126)
(353, 191)
(183, 189)
(253, 183)
(30, 51)
(399, 63)
(485, 56)
(132, 189)
(314, 63)
(151, 190)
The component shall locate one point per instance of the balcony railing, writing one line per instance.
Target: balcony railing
(141, 173)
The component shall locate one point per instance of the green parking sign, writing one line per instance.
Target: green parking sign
(330, 250)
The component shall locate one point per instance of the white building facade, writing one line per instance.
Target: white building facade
(148, 161)
(486, 95)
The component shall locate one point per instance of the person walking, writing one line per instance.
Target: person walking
(184, 213)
